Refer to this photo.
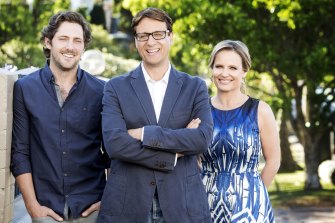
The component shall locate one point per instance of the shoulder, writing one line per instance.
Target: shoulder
(123, 78)
(265, 114)
(264, 109)
(30, 79)
(93, 83)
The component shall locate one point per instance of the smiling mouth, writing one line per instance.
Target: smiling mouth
(224, 81)
(68, 55)
(152, 51)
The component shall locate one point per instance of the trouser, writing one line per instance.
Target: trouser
(156, 214)
(92, 218)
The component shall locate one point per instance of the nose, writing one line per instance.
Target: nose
(224, 72)
(70, 44)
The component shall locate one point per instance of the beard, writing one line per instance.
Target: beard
(62, 64)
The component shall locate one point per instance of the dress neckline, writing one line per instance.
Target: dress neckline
(227, 110)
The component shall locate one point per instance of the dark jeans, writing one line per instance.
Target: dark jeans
(156, 214)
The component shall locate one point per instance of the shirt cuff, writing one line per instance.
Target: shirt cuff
(142, 136)
(175, 161)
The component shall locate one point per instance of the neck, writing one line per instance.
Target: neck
(67, 77)
(156, 72)
(225, 100)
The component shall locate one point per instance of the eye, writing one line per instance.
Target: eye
(78, 40)
(158, 34)
(142, 36)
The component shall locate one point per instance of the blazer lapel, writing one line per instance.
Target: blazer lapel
(142, 92)
(171, 96)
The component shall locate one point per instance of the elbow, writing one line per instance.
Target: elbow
(204, 143)
(274, 164)
(278, 163)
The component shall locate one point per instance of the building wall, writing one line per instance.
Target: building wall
(6, 117)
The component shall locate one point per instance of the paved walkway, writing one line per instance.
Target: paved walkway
(305, 215)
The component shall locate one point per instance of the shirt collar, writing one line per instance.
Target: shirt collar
(165, 78)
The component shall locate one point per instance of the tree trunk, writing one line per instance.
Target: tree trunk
(309, 142)
(288, 164)
(312, 181)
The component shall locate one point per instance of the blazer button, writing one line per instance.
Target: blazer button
(152, 183)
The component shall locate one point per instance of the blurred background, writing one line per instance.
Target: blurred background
(292, 44)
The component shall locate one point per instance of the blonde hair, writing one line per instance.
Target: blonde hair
(234, 45)
(238, 47)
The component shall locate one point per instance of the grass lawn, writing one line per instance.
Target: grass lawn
(287, 190)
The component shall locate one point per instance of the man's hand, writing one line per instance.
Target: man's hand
(38, 211)
(135, 133)
(194, 124)
(92, 208)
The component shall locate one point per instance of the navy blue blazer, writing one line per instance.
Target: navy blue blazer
(138, 168)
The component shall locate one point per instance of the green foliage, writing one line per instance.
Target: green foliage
(118, 65)
(15, 21)
(104, 42)
(21, 54)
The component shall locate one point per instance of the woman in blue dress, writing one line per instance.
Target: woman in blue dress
(244, 128)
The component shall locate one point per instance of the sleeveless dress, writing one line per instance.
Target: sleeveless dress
(236, 193)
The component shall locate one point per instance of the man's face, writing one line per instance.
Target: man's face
(66, 47)
(154, 53)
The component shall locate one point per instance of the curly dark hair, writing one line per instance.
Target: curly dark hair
(57, 19)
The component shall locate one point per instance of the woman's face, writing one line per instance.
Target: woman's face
(227, 71)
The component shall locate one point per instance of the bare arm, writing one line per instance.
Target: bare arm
(35, 210)
(270, 142)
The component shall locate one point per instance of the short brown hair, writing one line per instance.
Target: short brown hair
(152, 13)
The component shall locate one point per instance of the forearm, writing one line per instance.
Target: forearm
(26, 186)
(269, 171)
(122, 147)
(185, 141)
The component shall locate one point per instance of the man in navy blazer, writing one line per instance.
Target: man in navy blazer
(155, 121)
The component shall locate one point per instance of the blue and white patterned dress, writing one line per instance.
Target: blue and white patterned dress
(236, 193)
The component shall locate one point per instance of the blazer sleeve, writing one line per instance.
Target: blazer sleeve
(120, 145)
(184, 140)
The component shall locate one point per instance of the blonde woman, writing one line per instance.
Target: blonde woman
(244, 128)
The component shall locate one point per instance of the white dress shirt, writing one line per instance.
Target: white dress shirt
(157, 89)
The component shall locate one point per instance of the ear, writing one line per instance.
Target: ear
(47, 43)
(171, 37)
(244, 74)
